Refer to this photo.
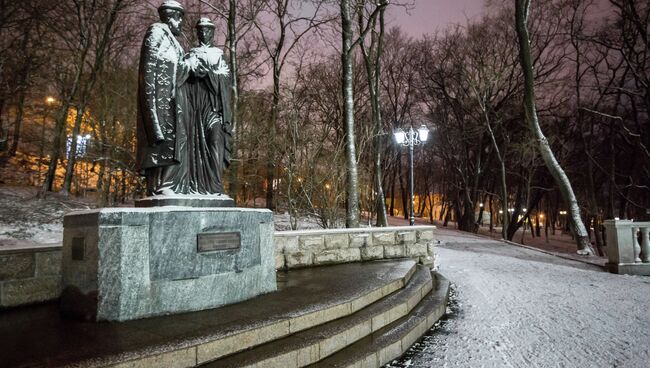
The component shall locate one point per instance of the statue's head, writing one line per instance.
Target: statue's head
(171, 13)
(205, 31)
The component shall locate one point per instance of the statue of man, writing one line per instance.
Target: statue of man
(162, 134)
(208, 94)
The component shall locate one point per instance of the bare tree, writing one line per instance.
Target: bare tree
(280, 36)
(522, 8)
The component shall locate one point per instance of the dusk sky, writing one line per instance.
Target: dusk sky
(429, 15)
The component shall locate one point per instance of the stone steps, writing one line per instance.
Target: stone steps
(393, 340)
(306, 298)
(317, 343)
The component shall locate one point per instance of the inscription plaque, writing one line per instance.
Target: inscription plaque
(209, 242)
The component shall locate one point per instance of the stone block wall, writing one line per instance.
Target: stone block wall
(29, 275)
(299, 249)
(33, 275)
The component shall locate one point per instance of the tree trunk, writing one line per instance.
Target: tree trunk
(521, 17)
(72, 154)
(352, 178)
(402, 189)
(372, 61)
(234, 96)
(22, 93)
(270, 165)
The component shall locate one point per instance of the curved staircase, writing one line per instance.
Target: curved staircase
(351, 315)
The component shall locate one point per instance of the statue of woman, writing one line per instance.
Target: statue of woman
(210, 132)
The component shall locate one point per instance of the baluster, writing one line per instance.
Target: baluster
(635, 244)
(645, 245)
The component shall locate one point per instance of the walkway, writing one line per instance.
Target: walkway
(516, 307)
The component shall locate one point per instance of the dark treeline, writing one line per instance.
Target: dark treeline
(316, 107)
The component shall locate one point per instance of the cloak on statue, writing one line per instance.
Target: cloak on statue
(160, 105)
(210, 130)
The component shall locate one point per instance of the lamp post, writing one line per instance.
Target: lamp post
(410, 139)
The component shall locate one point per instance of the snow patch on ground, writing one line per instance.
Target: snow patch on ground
(26, 220)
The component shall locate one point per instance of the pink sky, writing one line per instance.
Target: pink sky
(429, 15)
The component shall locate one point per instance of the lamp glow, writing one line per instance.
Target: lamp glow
(400, 136)
(423, 132)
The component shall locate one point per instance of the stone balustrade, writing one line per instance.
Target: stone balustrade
(628, 247)
(33, 275)
(298, 249)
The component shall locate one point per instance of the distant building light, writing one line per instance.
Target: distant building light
(82, 145)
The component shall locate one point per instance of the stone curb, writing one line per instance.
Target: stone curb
(556, 254)
(194, 354)
(313, 345)
(395, 339)
(559, 255)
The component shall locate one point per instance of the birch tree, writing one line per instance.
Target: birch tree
(348, 42)
(522, 8)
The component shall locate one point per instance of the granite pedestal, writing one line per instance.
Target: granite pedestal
(127, 263)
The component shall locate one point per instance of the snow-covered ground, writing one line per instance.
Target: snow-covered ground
(515, 307)
(27, 221)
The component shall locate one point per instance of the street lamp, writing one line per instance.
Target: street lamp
(410, 139)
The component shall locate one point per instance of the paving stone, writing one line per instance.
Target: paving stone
(16, 266)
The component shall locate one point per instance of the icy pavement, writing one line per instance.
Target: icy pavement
(515, 307)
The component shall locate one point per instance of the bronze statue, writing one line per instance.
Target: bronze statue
(160, 129)
(184, 125)
(208, 91)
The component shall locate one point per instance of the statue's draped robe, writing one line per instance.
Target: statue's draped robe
(209, 142)
(162, 131)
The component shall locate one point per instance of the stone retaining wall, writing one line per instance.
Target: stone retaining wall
(298, 249)
(33, 275)
(29, 275)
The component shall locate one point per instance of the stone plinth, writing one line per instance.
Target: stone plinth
(128, 263)
(186, 200)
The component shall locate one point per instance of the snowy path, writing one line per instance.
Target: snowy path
(520, 308)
